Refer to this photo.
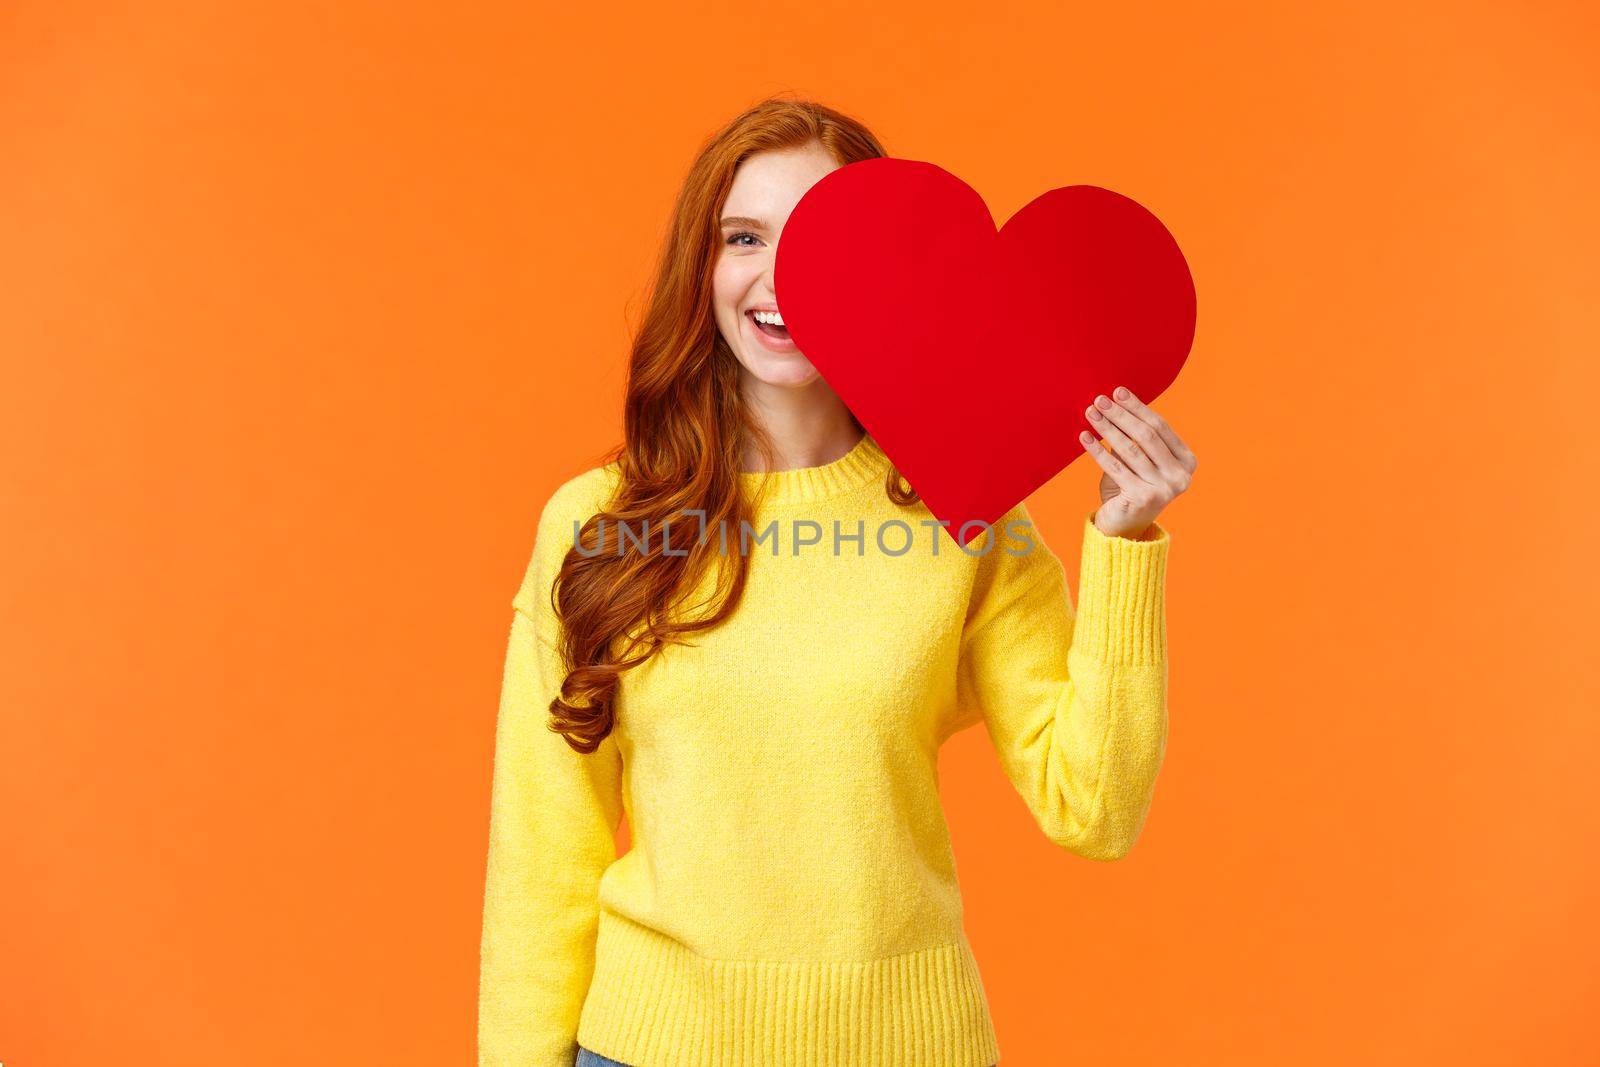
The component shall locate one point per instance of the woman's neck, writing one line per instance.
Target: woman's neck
(808, 427)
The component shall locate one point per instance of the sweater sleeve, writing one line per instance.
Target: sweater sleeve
(554, 814)
(1074, 702)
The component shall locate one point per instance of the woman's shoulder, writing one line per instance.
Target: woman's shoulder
(564, 512)
(580, 497)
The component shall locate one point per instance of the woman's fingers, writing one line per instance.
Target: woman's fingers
(1118, 471)
(1180, 450)
(1134, 442)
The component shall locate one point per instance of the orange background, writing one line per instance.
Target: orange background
(306, 308)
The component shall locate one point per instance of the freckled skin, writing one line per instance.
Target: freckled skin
(767, 186)
(806, 419)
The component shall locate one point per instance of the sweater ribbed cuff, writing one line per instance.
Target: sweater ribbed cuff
(1121, 610)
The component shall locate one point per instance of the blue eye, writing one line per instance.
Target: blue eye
(736, 236)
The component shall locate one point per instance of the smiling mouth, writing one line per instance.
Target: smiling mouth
(780, 332)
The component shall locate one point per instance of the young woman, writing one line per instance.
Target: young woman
(747, 634)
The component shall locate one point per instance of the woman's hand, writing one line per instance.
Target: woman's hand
(1147, 466)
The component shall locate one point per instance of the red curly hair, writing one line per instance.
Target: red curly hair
(684, 428)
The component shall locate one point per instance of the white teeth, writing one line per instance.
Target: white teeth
(771, 318)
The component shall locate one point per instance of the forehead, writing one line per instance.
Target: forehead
(769, 184)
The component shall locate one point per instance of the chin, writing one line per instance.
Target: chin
(798, 373)
(794, 370)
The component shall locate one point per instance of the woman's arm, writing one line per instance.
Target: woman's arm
(553, 821)
(1075, 702)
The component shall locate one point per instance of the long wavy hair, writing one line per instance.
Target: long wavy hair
(685, 426)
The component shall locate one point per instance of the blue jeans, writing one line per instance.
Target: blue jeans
(594, 1059)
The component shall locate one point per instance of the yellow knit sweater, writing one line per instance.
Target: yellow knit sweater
(790, 896)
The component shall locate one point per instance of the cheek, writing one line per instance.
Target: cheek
(725, 296)
(722, 283)
(730, 280)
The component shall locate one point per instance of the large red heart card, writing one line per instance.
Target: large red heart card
(970, 355)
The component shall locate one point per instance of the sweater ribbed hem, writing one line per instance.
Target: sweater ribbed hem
(654, 1003)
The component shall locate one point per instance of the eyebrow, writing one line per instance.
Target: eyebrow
(743, 220)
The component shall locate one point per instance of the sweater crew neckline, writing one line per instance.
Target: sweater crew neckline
(863, 464)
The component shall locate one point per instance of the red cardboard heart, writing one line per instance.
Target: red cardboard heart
(970, 355)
